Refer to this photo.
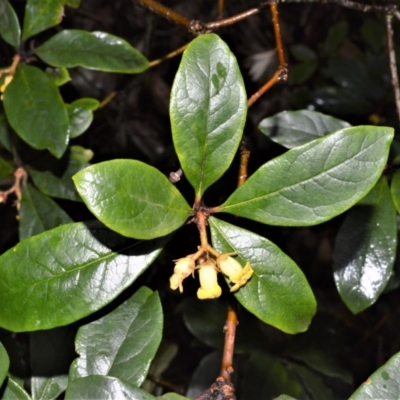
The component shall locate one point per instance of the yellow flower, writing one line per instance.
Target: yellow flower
(183, 268)
(234, 271)
(209, 288)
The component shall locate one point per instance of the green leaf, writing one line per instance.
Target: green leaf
(36, 111)
(72, 3)
(10, 30)
(4, 363)
(294, 128)
(128, 338)
(41, 15)
(303, 53)
(384, 383)
(315, 182)
(13, 391)
(208, 110)
(6, 169)
(5, 133)
(278, 292)
(81, 154)
(365, 249)
(94, 50)
(104, 387)
(132, 198)
(54, 177)
(80, 114)
(172, 396)
(62, 275)
(336, 35)
(48, 388)
(395, 190)
(284, 397)
(59, 76)
(38, 213)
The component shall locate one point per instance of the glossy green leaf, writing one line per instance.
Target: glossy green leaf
(48, 388)
(4, 363)
(13, 391)
(132, 198)
(172, 396)
(6, 169)
(104, 387)
(36, 111)
(395, 190)
(59, 76)
(47, 284)
(94, 50)
(315, 182)
(10, 30)
(294, 128)
(54, 177)
(128, 338)
(384, 383)
(365, 249)
(278, 292)
(80, 114)
(38, 213)
(80, 153)
(41, 15)
(208, 110)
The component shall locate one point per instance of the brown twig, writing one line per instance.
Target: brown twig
(21, 177)
(221, 6)
(169, 55)
(392, 62)
(244, 161)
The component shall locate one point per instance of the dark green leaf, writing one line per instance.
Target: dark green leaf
(336, 35)
(301, 52)
(365, 249)
(128, 338)
(54, 177)
(62, 275)
(4, 363)
(80, 114)
(5, 134)
(94, 50)
(315, 182)
(294, 128)
(48, 388)
(41, 15)
(384, 383)
(59, 76)
(373, 33)
(13, 391)
(6, 169)
(278, 292)
(10, 30)
(132, 198)
(265, 376)
(72, 3)
(36, 111)
(395, 190)
(104, 387)
(301, 72)
(208, 110)
(38, 213)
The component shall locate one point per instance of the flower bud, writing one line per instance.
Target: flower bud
(209, 288)
(183, 268)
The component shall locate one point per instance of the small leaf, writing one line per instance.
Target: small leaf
(5, 133)
(104, 387)
(72, 3)
(41, 15)
(128, 338)
(208, 110)
(384, 383)
(54, 177)
(81, 154)
(395, 190)
(10, 30)
(132, 198)
(315, 182)
(278, 292)
(6, 169)
(62, 275)
(48, 388)
(80, 114)
(336, 35)
(38, 213)
(294, 128)
(94, 50)
(13, 391)
(4, 363)
(365, 249)
(303, 53)
(36, 111)
(172, 396)
(59, 76)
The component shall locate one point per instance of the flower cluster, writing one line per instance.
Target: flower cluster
(208, 274)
